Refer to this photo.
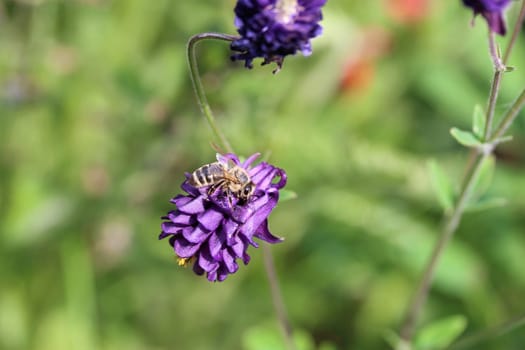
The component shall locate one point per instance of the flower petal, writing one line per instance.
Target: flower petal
(222, 273)
(194, 206)
(206, 261)
(183, 248)
(229, 261)
(265, 234)
(170, 228)
(195, 234)
(180, 219)
(215, 243)
(210, 219)
(246, 164)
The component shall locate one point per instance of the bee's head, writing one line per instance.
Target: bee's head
(247, 190)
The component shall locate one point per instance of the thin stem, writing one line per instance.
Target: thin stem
(451, 224)
(515, 33)
(494, 53)
(493, 332)
(197, 84)
(509, 117)
(277, 298)
(491, 106)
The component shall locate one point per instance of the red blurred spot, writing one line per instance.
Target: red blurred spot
(408, 11)
(358, 75)
(359, 70)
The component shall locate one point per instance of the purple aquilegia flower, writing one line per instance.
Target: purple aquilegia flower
(273, 29)
(214, 228)
(492, 10)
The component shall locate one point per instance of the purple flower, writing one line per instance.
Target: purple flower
(273, 29)
(492, 10)
(214, 228)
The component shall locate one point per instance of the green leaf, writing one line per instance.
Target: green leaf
(441, 333)
(393, 339)
(266, 336)
(478, 122)
(466, 138)
(441, 185)
(286, 195)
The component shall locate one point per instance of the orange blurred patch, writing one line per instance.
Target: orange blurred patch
(408, 11)
(358, 75)
(359, 70)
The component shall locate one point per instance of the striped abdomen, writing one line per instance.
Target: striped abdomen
(207, 175)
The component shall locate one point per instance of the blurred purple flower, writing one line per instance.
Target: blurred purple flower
(273, 29)
(214, 230)
(492, 11)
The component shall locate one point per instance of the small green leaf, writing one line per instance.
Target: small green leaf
(478, 122)
(441, 333)
(441, 185)
(466, 138)
(485, 204)
(393, 339)
(509, 69)
(286, 195)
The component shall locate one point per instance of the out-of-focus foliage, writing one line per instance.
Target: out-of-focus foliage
(98, 124)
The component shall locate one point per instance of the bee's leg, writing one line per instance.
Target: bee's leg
(229, 195)
(213, 188)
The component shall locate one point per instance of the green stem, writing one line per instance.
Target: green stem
(515, 33)
(493, 332)
(493, 96)
(277, 298)
(276, 293)
(509, 117)
(451, 224)
(472, 172)
(197, 84)
(494, 53)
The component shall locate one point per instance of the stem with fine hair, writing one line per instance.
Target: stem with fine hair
(276, 293)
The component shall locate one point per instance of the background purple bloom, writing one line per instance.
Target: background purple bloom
(210, 231)
(492, 11)
(273, 29)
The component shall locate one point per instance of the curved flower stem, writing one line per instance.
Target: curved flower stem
(277, 298)
(197, 84)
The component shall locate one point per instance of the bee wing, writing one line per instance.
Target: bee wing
(226, 162)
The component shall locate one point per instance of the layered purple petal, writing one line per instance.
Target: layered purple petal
(216, 230)
(273, 29)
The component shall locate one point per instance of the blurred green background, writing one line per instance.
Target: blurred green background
(98, 124)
